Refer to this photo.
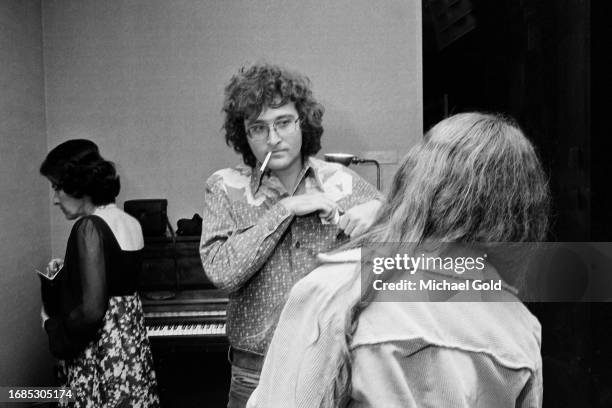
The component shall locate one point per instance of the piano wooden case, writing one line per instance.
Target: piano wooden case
(185, 318)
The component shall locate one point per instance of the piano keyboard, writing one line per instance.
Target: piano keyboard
(195, 329)
(188, 316)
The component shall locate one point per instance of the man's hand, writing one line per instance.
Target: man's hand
(358, 219)
(308, 203)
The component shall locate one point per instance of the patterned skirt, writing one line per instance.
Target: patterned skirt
(115, 369)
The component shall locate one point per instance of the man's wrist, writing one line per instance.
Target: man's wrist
(275, 216)
(286, 204)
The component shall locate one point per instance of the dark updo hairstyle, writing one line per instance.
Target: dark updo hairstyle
(263, 86)
(77, 168)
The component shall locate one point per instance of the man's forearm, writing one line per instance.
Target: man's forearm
(231, 261)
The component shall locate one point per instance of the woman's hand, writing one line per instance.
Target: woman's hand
(43, 316)
(54, 266)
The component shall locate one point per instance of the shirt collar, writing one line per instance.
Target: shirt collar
(311, 166)
(105, 207)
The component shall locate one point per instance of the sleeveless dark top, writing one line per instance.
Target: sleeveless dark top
(95, 269)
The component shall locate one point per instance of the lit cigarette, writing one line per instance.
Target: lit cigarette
(265, 163)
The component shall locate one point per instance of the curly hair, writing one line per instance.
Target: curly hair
(260, 86)
(77, 168)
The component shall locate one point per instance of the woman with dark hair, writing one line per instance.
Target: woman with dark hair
(91, 311)
(474, 180)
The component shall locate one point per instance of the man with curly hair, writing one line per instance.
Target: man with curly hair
(265, 221)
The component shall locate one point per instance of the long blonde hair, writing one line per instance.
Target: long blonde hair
(474, 178)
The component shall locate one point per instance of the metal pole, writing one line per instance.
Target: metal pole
(357, 160)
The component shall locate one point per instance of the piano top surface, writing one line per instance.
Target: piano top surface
(183, 297)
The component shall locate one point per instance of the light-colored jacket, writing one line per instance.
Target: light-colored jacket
(403, 354)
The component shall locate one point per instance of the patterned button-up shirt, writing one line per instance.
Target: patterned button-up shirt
(254, 248)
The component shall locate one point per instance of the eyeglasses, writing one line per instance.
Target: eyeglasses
(259, 132)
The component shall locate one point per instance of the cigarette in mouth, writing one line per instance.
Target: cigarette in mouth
(265, 163)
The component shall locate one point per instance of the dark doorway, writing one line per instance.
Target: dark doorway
(529, 59)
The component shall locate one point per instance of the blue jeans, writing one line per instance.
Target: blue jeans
(246, 368)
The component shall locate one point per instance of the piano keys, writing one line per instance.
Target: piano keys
(186, 330)
(196, 314)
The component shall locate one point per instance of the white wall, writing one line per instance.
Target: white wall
(24, 207)
(144, 79)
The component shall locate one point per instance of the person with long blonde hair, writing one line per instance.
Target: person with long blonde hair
(474, 179)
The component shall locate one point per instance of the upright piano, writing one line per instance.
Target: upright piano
(185, 320)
